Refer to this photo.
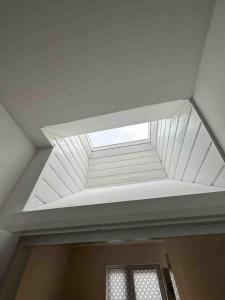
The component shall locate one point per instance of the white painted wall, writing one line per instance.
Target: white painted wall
(16, 151)
(209, 92)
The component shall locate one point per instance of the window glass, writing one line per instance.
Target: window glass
(126, 134)
(146, 285)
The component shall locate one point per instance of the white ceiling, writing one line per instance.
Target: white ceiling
(66, 60)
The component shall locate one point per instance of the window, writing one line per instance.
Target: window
(118, 137)
(135, 283)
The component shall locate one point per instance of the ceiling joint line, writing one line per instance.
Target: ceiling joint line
(40, 199)
(218, 174)
(182, 143)
(73, 139)
(69, 161)
(50, 185)
(71, 177)
(54, 170)
(75, 159)
(178, 118)
(79, 155)
(202, 162)
(80, 146)
(192, 148)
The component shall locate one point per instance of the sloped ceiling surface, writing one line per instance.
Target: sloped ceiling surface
(66, 60)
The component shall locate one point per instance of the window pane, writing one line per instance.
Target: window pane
(117, 284)
(146, 285)
(120, 135)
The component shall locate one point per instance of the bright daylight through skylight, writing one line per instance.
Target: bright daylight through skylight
(126, 134)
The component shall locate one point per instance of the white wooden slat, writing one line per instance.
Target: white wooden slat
(122, 157)
(45, 192)
(154, 127)
(126, 162)
(220, 181)
(211, 167)
(126, 179)
(158, 135)
(63, 174)
(85, 145)
(181, 130)
(72, 161)
(34, 202)
(54, 180)
(166, 140)
(66, 163)
(123, 150)
(76, 157)
(200, 149)
(189, 140)
(79, 151)
(125, 170)
(82, 150)
(173, 130)
(162, 136)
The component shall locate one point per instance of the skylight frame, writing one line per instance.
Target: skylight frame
(120, 145)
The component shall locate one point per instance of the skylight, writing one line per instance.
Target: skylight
(119, 136)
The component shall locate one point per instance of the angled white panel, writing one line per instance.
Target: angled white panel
(166, 140)
(154, 129)
(35, 202)
(211, 167)
(187, 147)
(122, 150)
(173, 130)
(159, 135)
(63, 173)
(220, 181)
(180, 134)
(198, 154)
(45, 192)
(122, 157)
(69, 156)
(123, 163)
(66, 162)
(79, 148)
(82, 166)
(55, 181)
(125, 170)
(127, 178)
(85, 145)
(76, 139)
(161, 138)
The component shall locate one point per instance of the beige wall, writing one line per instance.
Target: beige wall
(198, 264)
(45, 274)
(78, 272)
(87, 275)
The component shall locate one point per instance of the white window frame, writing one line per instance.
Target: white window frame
(119, 145)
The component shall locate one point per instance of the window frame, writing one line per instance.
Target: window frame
(129, 269)
(119, 145)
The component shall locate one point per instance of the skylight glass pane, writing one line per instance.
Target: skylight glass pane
(120, 135)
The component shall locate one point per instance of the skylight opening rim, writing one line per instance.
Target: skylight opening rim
(120, 145)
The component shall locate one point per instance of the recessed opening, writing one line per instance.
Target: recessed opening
(126, 156)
